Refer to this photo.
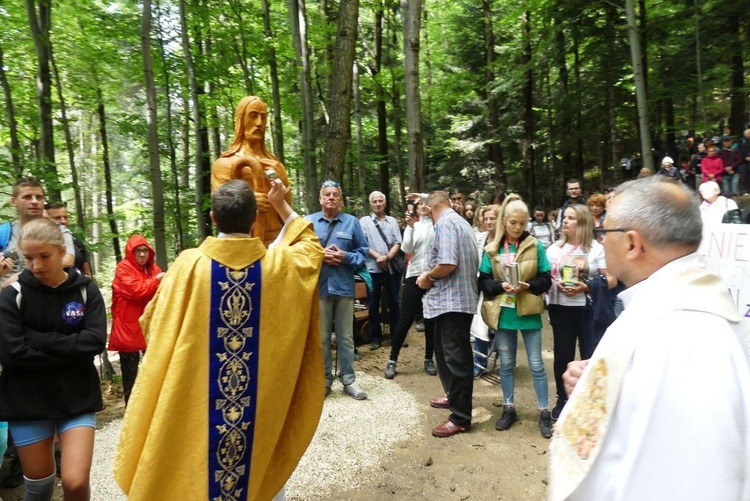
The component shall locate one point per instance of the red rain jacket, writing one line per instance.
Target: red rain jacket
(132, 289)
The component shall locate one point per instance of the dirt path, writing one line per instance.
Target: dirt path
(481, 465)
(484, 464)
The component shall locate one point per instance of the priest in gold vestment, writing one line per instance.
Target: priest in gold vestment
(231, 388)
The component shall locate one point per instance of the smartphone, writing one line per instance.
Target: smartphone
(411, 208)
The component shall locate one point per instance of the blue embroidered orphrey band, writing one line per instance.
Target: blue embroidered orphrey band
(233, 379)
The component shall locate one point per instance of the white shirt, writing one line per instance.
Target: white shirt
(714, 213)
(417, 242)
(568, 254)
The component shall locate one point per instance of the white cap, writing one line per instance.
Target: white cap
(667, 160)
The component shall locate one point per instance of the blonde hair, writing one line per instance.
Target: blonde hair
(584, 227)
(43, 230)
(511, 205)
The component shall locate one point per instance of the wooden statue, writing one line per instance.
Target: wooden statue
(248, 159)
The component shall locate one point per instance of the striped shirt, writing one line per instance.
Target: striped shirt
(454, 244)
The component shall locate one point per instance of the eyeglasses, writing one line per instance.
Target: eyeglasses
(330, 184)
(600, 232)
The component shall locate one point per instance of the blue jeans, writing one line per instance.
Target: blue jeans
(391, 281)
(338, 311)
(730, 184)
(508, 345)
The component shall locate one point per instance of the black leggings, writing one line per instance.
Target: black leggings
(568, 325)
(129, 361)
(411, 305)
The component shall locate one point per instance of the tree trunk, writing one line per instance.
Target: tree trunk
(361, 173)
(40, 26)
(494, 146)
(396, 93)
(564, 111)
(640, 86)
(340, 94)
(698, 63)
(157, 188)
(278, 130)
(298, 24)
(241, 48)
(738, 114)
(107, 175)
(202, 160)
(528, 112)
(643, 41)
(80, 220)
(380, 109)
(411, 12)
(579, 168)
(15, 144)
(170, 135)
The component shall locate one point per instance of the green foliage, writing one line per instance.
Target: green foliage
(583, 93)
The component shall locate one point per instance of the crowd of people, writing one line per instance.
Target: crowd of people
(476, 274)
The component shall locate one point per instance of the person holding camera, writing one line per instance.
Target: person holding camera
(418, 238)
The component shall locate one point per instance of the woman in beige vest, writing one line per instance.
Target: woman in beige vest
(515, 272)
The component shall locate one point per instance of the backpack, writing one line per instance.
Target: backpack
(5, 231)
(17, 286)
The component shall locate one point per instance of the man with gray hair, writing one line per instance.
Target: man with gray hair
(630, 429)
(449, 304)
(384, 238)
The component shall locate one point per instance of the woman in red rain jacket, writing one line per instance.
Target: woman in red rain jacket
(136, 279)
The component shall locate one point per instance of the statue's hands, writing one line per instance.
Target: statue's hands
(262, 200)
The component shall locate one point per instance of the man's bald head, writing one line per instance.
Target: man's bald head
(663, 211)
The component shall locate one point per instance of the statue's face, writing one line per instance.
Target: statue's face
(256, 115)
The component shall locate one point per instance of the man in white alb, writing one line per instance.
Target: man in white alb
(662, 408)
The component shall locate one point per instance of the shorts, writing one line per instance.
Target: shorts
(30, 432)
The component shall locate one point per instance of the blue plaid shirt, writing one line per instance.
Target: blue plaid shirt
(455, 244)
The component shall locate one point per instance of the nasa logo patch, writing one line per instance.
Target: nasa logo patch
(73, 312)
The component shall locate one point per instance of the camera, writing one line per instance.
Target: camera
(10, 254)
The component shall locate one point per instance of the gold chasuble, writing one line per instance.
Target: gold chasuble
(232, 386)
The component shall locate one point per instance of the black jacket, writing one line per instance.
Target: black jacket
(47, 349)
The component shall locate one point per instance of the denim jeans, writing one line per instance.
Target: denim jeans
(483, 347)
(730, 184)
(508, 346)
(338, 312)
(391, 282)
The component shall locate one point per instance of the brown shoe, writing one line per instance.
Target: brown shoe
(449, 428)
(439, 403)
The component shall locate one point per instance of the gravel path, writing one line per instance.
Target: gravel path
(352, 439)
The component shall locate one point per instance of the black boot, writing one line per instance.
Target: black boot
(507, 419)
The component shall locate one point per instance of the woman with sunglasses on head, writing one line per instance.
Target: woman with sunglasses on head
(52, 325)
(418, 239)
(574, 258)
(136, 279)
(515, 273)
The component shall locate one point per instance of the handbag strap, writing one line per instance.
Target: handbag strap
(330, 232)
(382, 235)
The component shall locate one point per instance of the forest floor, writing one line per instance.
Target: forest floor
(483, 464)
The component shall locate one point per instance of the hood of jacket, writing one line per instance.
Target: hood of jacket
(136, 241)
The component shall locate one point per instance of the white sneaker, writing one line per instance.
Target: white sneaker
(355, 392)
